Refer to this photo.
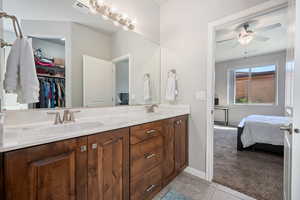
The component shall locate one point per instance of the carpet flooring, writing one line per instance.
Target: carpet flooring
(257, 174)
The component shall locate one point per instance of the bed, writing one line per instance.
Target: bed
(261, 132)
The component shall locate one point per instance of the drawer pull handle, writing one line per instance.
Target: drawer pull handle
(150, 188)
(151, 132)
(111, 141)
(147, 156)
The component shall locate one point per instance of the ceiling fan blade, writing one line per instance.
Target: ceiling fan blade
(269, 28)
(261, 38)
(226, 40)
(236, 44)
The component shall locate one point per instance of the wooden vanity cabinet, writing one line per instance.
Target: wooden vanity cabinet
(51, 171)
(2, 189)
(88, 168)
(175, 147)
(132, 163)
(108, 166)
(181, 143)
(146, 156)
(159, 152)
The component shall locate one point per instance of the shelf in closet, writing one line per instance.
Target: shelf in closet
(49, 76)
(54, 68)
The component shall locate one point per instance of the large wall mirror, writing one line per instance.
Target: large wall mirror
(81, 59)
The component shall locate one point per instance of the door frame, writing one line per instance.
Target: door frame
(130, 74)
(212, 27)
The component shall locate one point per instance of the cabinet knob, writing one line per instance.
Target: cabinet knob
(83, 148)
(179, 122)
(94, 146)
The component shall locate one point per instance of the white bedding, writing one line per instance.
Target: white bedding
(263, 129)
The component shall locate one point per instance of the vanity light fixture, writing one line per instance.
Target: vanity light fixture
(108, 12)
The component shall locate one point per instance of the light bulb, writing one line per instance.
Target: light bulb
(93, 10)
(104, 17)
(100, 2)
(125, 28)
(116, 23)
(124, 16)
(134, 22)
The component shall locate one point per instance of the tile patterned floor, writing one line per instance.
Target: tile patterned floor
(198, 189)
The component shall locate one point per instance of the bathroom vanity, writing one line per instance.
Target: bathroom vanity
(132, 160)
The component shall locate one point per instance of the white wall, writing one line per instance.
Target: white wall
(237, 112)
(86, 41)
(145, 59)
(184, 35)
(51, 49)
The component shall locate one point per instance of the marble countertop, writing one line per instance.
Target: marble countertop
(90, 121)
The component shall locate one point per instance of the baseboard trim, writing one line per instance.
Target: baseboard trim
(195, 172)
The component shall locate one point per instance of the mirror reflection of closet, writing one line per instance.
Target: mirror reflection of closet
(49, 55)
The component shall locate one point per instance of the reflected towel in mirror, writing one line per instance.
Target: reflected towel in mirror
(147, 88)
(171, 89)
(20, 76)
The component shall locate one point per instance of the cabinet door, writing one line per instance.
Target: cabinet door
(108, 166)
(181, 143)
(169, 171)
(52, 171)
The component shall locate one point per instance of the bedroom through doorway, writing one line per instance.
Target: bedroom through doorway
(249, 104)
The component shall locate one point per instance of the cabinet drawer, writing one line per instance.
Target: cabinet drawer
(145, 131)
(147, 186)
(146, 155)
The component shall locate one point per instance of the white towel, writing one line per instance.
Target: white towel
(171, 89)
(147, 88)
(20, 76)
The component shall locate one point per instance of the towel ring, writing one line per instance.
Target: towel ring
(172, 72)
(16, 26)
(147, 75)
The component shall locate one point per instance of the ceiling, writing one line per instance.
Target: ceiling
(277, 38)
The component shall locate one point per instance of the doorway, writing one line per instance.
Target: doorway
(122, 81)
(235, 92)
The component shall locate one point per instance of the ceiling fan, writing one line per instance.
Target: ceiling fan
(246, 33)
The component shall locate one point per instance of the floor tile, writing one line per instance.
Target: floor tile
(221, 195)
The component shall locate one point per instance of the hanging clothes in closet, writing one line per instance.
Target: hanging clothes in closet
(52, 93)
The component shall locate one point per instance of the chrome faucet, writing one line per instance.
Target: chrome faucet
(150, 109)
(69, 116)
(58, 119)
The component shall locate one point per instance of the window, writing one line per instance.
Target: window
(255, 85)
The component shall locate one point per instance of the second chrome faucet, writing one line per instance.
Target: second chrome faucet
(69, 116)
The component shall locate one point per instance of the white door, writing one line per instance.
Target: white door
(97, 82)
(292, 137)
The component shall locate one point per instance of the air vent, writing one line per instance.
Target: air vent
(82, 7)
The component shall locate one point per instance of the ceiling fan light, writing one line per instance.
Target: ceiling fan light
(245, 39)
